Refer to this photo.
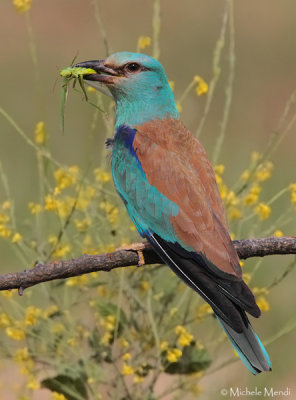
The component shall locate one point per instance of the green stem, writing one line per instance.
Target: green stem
(44, 153)
(186, 92)
(229, 88)
(101, 27)
(156, 24)
(274, 141)
(216, 71)
(32, 46)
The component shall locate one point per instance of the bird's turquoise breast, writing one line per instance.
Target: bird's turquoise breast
(149, 209)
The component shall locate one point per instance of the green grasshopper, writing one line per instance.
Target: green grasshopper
(76, 74)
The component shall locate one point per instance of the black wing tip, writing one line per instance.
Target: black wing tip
(259, 371)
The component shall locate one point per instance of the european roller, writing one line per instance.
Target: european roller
(165, 179)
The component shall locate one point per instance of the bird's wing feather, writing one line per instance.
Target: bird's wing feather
(177, 165)
(169, 188)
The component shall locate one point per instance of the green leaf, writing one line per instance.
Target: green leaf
(106, 308)
(73, 388)
(192, 360)
(100, 352)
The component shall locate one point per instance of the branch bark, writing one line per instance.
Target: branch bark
(137, 254)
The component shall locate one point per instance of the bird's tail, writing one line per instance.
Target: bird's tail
(248, 346)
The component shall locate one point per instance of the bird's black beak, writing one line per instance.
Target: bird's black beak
(105, 74)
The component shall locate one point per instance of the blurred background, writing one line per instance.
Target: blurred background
(264, 79)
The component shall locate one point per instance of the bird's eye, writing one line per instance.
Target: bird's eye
(133, 67)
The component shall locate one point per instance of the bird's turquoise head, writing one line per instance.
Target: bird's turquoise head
(137, 83)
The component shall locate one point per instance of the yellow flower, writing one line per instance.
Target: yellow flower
(247, 278)
(106, 338)
(21, 355)
(144, 42)
(263, 211)
(180, 329)
(202, 86)
(61, 251)
(32, 315)
(172, 85)
(58, 396)
(66, 177)
(4, 320)
(40, 134)
(6, 205)
(22, 5)
(293, 193)
(173, 355)
(255, 189)
(72, 342)
(264, 171)
(82, 225)
(8, 293)
(278, 233)
(124, 343)
(4, 231)
(185, 338)
(144, 286)
(196, 389)
(108, 322)
(173, 311)
(102, 291)
(77, 280)
(223, 190)
(263, 303)
(138, 379)
(251, 199)
(111, 210)
(258, 291)
(232, 199)
(219, 169)
(50, 311)
(204, 310)
(35, 208)
(179, 107)
(235, 213)
(255, 156)
(15, 333)
(16, 238)
(164, 345)
(293, 197)
(245, 175)
(32, 383)
(126, 357)
(127, 369)
(101, 175)
(4, 218)
(57, 328)
(50, 203)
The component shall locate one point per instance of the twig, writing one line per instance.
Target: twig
(245, 248)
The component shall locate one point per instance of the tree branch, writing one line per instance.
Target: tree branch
(137, 254)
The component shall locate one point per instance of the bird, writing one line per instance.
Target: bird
(167, 184)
